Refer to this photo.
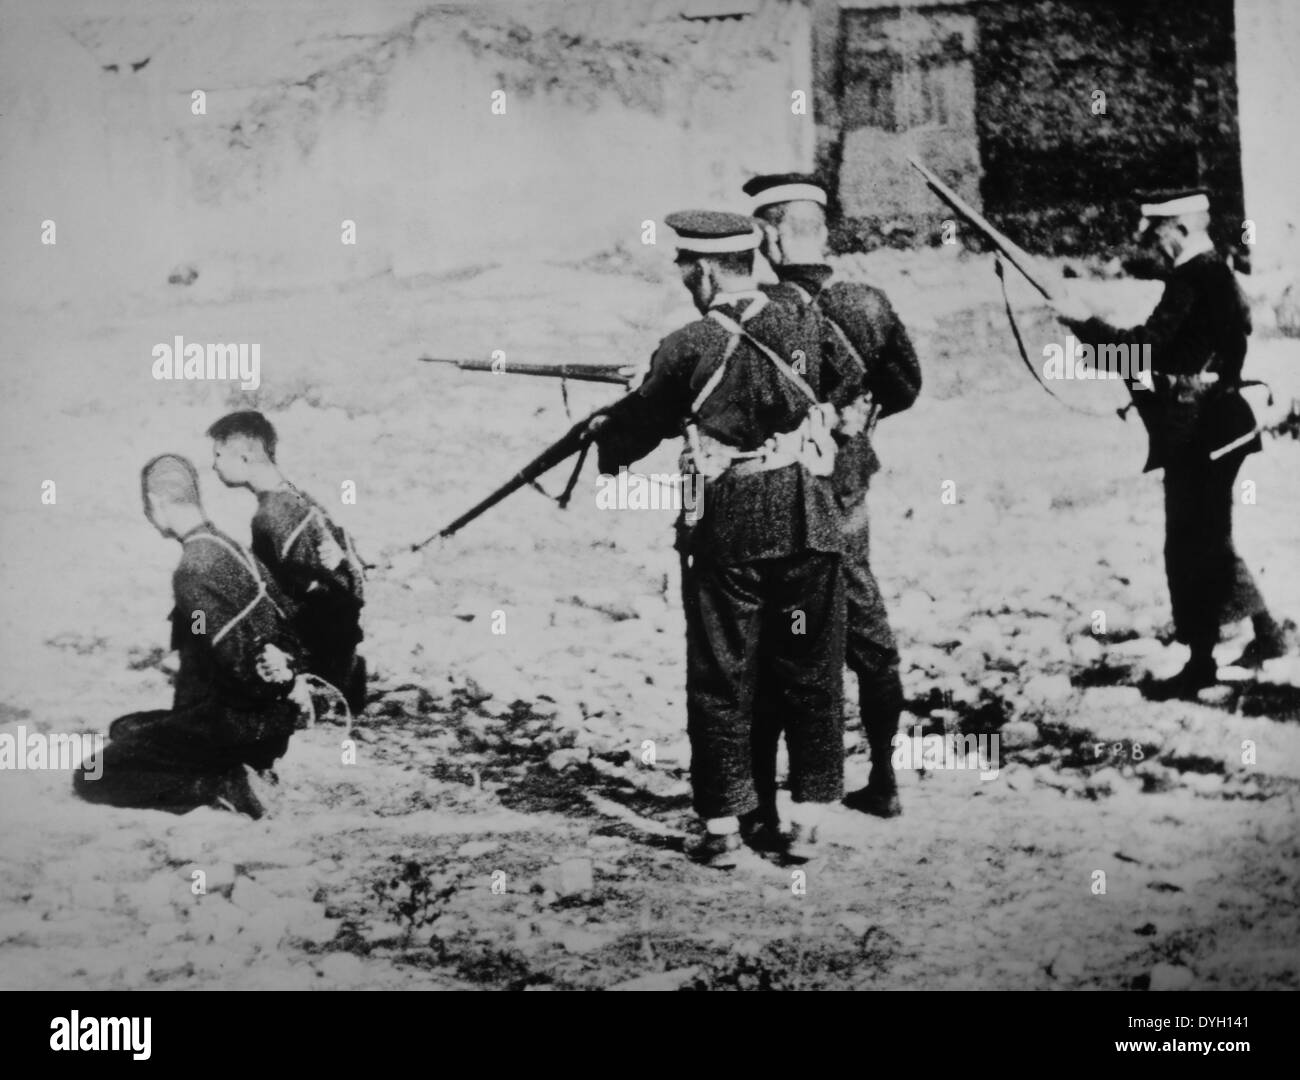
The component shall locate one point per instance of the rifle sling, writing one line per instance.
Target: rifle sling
(1020, 346)
(563, 498)
(567, 493)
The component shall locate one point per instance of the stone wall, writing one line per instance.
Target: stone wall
(1047, 164)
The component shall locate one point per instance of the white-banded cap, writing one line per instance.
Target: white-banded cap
(773, 188)
(713, 232)
(1167, 204)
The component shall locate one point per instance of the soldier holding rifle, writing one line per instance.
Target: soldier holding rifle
(1202, 430)
(751, 383)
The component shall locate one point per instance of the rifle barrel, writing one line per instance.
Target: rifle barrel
(480, 508)
(572, 442)
(1015, 255)
(620, 374)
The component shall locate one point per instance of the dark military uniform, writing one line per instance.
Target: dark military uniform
(761, 583)
(223, 715)
(1199, 326)
(866, 326)
(288, 529)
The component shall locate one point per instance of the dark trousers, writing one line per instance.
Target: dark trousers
(870, 652)
(331, 654)
(180, 760)
(1209, 585)
(771, 630)
(329, 636)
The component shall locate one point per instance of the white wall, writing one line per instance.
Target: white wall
(379, 113)
(1268, 80)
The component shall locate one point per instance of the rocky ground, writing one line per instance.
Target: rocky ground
(511, 809)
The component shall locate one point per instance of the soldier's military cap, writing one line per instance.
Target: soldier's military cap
(713, 232)
(1174, 203)
(776, 188)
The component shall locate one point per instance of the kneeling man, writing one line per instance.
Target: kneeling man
(232, 714)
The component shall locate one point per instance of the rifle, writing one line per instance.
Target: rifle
(575, 441)
(1169, 425)
(1163, 425)
(622, 374)
(1013, 253)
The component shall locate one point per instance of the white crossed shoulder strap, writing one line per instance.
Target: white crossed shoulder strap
(314, 512)
(810, 444)
(738, 331)
(247, 562)
(292, 538)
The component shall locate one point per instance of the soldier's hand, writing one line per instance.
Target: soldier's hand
(595, 424)
(1070, 306)
(854, 416)
(273, 665)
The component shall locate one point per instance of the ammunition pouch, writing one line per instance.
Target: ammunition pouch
(812, 445)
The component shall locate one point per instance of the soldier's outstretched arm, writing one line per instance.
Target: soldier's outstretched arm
(637, 423)
(1158, 331)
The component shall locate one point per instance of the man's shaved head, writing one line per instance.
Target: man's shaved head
(171, 480)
